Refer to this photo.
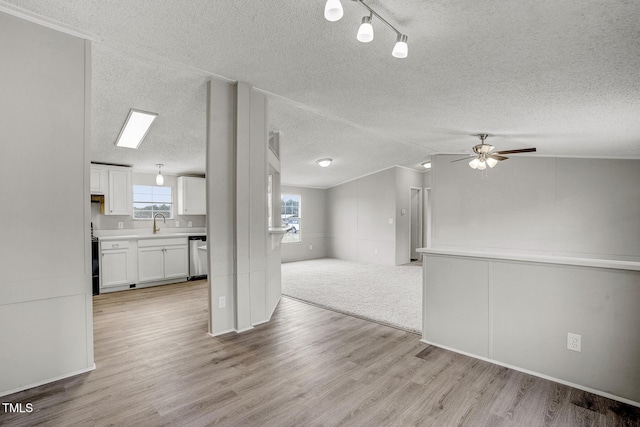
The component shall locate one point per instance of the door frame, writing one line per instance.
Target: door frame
(420, 218)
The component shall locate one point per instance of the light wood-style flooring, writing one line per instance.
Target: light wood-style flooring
(309, 366)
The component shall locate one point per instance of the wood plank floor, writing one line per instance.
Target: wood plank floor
(307, 367)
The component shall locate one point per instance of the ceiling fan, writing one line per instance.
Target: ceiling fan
(485, 157)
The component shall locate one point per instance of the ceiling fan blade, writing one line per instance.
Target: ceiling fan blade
(523, 150)
(464, 158)
(497, 157)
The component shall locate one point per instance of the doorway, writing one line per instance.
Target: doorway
(416, 222)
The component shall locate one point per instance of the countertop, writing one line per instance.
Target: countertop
(138, 234)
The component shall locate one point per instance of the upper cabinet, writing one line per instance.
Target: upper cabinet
(192, 195)
(114, 182)
(99, 180)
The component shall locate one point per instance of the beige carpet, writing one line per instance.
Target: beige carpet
(386, 294)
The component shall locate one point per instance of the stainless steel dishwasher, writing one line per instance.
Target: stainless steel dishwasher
(197, 257)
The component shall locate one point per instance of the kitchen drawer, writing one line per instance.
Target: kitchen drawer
(167, 241)
(114, 244)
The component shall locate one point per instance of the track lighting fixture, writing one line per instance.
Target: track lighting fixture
(333, 12)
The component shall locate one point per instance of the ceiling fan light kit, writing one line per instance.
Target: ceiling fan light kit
(485, 156)
(333, 12)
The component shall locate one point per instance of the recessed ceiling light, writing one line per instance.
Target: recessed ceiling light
(323, 163)
(135, 128)
(426, 165)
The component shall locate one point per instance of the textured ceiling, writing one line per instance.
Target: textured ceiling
(563, 76)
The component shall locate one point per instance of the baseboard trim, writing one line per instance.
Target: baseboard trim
(39, 383)
(216, 334)
(537, 374)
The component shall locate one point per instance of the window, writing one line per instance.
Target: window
(149, 200)
(290, 213)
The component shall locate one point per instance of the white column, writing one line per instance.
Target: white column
(237, 205)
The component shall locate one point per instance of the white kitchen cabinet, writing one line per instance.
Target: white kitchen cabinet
(120, 192)
(150, 264)
(99, 179)
(192, 195)
(115, 184)
(118, 263)
(163, 259)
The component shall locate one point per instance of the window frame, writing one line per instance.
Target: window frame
(286, 240)
(153, 202)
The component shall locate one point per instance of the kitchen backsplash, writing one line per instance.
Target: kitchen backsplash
(110, 222)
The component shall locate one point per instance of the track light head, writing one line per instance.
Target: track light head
(365, 32)
(333, 10)
(401, 49)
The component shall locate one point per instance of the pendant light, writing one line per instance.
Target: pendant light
(365, 32)
(159, 177)
(333, 10)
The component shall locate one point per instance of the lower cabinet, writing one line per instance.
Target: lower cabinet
(118, 263)
(163, 259)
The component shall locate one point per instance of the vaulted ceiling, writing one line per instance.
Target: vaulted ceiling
(563, 76)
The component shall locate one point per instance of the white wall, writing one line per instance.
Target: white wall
(553, 206)
(364, 217)
(358, 216)
(312, 243)
(519, 313)
(45, 286)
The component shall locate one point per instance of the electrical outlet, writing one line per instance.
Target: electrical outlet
(574, 342)
(310, 247)
(177, 224)
(190, 224)
(120, 224)
(222, 302)
(390, 220)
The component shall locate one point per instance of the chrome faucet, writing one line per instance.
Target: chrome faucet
(156, 229)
